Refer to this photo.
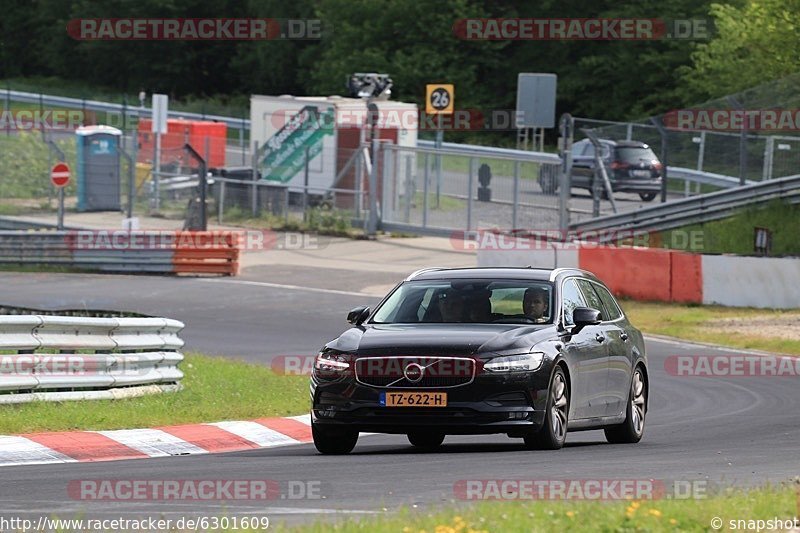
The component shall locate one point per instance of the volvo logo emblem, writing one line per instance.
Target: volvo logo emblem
(413, 372)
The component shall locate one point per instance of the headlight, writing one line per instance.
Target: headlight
(515, 363)
(331, 362)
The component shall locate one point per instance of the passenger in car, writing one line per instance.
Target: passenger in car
(535, 303)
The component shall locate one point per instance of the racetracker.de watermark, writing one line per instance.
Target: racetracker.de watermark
(193, 489)
(384, 367)
(73, 364)
(194, 29)
(732, 366)
(41, 120)
(733, 120)
(404, 118)
(581, 489)
(581, 29)
(245, 240)
(546, 239)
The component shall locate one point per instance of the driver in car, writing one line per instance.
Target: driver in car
(534, 304)
(451, 306)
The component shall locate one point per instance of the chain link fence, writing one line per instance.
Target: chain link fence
(750, 136)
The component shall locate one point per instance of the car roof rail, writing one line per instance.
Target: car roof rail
(422, 271)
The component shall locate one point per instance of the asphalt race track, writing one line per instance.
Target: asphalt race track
(741, 430)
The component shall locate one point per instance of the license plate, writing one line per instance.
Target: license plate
(413, 399)
(640, 173)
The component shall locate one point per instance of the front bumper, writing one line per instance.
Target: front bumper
(511, 403)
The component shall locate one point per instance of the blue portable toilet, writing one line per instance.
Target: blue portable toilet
(98, 168)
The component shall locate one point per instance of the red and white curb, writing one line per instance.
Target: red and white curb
(189, 439)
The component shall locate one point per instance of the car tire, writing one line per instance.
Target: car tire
(553, 433)
(647, 196)
(333, 441)
(426, 440)
(548, 179)
(632, 429)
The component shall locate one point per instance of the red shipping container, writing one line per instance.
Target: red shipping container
(179, 132)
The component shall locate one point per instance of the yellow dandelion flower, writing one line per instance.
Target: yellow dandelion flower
(635, 505)
(570, 514)
(673, 521)
(654, 512)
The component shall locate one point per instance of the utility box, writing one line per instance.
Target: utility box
(98, 168)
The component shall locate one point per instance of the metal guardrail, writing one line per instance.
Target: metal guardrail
(59, 358)
(97, 105)
(476, 150)
(707, 178)
(697, 209)
(685, 174)
(118, 251)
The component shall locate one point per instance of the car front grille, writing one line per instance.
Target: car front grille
(415, 372)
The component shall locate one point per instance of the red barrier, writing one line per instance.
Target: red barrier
(637, 273)
(686, 284)
(207, 252)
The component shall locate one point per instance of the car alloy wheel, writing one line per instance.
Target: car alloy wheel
(632, 429)
(553, 432)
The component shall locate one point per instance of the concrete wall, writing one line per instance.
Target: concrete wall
(751, 281)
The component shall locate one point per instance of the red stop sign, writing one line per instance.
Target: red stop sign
(59, 175)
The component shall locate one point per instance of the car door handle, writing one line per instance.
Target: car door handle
(599, 337)
(624, 336)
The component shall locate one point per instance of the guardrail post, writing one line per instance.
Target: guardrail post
(220, 201)
(408, 192)
(425, 195)
(515, 198)
(131, 182)
(469, 192)
(567, 133)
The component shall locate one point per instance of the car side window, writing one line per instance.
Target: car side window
(612, 308)
(589, 150)
(592, 298)
(570, 299)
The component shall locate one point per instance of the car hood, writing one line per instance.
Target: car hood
(439, 339)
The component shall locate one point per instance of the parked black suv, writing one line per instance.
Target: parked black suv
(632, 166)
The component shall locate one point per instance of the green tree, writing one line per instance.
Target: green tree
(755, 42)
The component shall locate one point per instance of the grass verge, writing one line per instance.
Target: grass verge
(215, 389)
(735, 235)
(727, 326)
(765, 504)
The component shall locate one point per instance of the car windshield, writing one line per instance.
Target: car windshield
(468, 301)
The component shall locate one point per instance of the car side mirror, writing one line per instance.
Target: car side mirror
(584, 316)
(358, 315)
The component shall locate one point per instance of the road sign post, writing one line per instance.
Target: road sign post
(59, 177)
(439, 100)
